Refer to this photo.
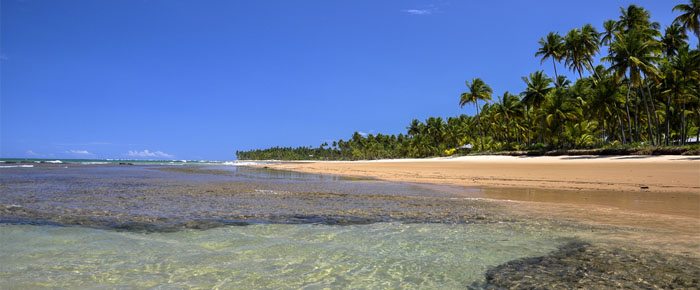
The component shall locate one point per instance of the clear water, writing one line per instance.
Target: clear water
(380, 255)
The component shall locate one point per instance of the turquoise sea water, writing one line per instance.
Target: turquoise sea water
(430, 249)
(380, 255)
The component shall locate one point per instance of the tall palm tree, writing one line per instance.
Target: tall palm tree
(637, 18)
(610, 27)
(674, 38)
(591, 45)
(573, 57)
(551, 47)
(689, 17)
(507, 110)
(477, 90)
(538, 86)
(580, 46)
(634, 54)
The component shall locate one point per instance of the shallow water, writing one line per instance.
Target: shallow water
(380, 255)
(113, 226)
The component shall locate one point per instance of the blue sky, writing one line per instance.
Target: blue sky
(202, 79)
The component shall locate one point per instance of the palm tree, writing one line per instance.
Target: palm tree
(610, 27)
(562, 82)
(538, 86)
(689, 17)
(477, 90)
(674, 38)
(580, 46)
(551, 47)
(634, 54)
(507, 110)
(574, 54)
(557, 110)
(637, 18)
(591, 45)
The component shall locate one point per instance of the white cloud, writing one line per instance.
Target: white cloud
(418, 11)
(83, 144)
(363, 134)
(147, 153)
(79, 152)
(30, 153)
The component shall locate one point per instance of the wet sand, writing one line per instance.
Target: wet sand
(655, 199)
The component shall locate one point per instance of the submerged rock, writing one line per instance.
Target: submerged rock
(584, 266)
(139, 199)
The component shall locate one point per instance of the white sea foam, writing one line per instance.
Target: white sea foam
(16, 166)
(94, 162)
(54, 162)
(241, 163)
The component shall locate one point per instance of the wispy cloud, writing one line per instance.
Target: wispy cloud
(31, 153)
(148, 154)
(363, 134)
(83, 144)
(419, 11)
(79, 152)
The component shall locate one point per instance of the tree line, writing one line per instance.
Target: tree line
(644, 92)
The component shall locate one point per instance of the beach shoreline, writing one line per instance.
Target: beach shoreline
(666, 173)
(591, 190)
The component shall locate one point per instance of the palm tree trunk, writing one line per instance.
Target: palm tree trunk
(627, 108)
(668, 119)
(646, 107)
(637, 132)
(556, 75)
(683, 126)
(656, 117)
(478, 124)
(622, 129)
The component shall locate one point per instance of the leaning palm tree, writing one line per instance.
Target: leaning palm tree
(477, 90)
(552, 47)
(591, 45)
(689, 17)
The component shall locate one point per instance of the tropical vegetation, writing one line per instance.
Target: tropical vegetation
(644, 91)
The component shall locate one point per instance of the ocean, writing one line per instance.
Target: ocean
(202, 224)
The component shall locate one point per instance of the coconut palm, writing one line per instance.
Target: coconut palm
(633, 54)
(635, 18)
(674, 38)
(557, 109)
(689, 16)
(538, 86)
(580, 46)
(477, 90)
(610, 27)
(591, 44)
(551, 47)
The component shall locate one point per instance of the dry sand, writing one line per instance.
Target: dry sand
(617, 173)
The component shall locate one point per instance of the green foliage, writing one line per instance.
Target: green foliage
(646, 101)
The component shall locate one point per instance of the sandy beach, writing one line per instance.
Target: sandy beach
(607, 173)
